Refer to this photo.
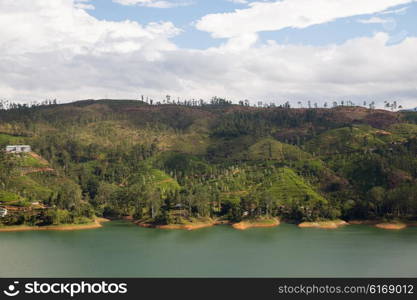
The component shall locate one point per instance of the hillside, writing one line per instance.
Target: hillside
(121, 158)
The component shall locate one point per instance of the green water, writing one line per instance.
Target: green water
(121, 249)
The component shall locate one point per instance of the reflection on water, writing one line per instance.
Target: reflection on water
(121, 249)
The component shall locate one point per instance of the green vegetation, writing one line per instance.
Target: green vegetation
(181, 164)
(293, 192)
(9, 197)
(31, 162)
(349, 139)
(404, 130)
(7, 139)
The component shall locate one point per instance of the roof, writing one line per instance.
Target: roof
(17, 146)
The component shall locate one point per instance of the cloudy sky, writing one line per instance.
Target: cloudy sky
(297, 50)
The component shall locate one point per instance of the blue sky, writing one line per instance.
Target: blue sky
(184, 17)
(271, 51)
(340, 31)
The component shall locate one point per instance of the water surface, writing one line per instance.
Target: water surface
(121, 249)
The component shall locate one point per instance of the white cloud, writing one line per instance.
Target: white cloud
(399, 11)
(270, 16)
(374, 20)
(238, 1)
(388, 24)
(153, 3)
(84, 6)
(50, 48)
(41, 26)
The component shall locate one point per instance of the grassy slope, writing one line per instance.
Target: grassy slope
(350, 139)
(291, 188)
(271, 149)
(6, 139)
(404, 130)
(30, 188)
(163, 181)
(287, 187)
(7, 197)
(31, 183)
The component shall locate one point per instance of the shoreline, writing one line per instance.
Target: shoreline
(274, 222)
(261, 223)
(393, 225)
(63, 227)
(334, 224)
(190, 226)
(265, 223)
(243, 225)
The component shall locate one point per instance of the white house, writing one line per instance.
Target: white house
(3, 212)
(18, 148)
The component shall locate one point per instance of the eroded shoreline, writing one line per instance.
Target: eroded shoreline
(64, 227)
(334, 224)
(243, 225)
(262, 223)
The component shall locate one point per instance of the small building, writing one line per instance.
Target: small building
(3, 212)
(18, 148)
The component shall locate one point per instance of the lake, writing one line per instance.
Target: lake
(121, 249)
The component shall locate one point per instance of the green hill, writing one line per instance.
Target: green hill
(129, 158)
(271, 149)
(292, 190)
(351, 138)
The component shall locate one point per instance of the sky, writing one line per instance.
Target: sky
(270, 51)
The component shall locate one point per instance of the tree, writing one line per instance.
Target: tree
(377, 196)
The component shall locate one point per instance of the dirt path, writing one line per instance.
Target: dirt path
(39, 158)
(37, 170)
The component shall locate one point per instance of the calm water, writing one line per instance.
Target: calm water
(120, 249)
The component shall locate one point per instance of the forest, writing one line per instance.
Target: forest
(178, 163)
